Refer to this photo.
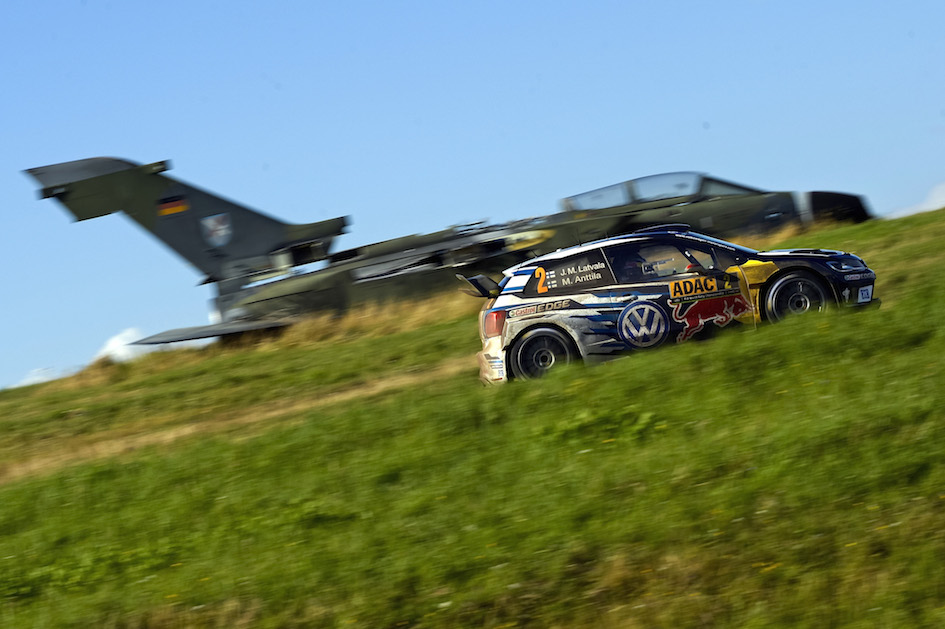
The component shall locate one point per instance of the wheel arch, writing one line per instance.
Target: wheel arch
(547, 324)
(575, 346)
(806, 270)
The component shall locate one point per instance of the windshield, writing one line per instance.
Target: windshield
(611, 196)
(642, 190)
(655, 188)
(667, 186)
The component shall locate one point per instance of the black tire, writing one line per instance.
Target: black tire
(538, 350)
(794, 293)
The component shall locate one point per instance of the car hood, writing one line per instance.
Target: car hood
(807, 253)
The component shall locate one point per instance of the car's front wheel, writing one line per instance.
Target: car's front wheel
(538, 350)
(795, 293)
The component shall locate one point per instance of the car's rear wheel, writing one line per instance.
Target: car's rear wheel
(795, 293)
(538, 350)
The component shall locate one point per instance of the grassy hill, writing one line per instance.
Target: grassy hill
(355, 474)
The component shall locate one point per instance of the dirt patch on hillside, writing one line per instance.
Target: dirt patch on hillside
(108, 444)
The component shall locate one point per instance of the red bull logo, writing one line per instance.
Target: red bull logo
(718, 310)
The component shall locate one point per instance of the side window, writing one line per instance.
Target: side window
(629, 265)
(725, 258)
(650, 261)
(703, 257)
(569, 275)
(665, 259)
(646, 262)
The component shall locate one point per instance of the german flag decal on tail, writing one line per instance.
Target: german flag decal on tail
(172, 205)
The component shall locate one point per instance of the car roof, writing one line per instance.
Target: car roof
(674, 230)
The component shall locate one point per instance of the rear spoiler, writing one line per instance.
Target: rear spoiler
(480, 286)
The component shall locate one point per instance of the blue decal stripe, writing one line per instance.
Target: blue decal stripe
(602, 318)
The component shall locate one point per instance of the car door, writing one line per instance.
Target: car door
(567, 293)
(671, 290)
(705, 295)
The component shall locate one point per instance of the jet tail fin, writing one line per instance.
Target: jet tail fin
(223, 239)
(85, 202)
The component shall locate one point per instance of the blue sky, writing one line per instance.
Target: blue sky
(412, 116)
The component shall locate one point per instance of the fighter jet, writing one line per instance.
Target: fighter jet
(255, 260)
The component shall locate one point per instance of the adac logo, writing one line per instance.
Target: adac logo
(217, 230)
(642, 325)
(696, 286)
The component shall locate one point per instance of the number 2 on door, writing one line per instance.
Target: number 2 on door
(540, 274)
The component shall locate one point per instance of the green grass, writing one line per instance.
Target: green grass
(791, 476)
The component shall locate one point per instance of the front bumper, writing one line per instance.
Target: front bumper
(873, 303)
(856, 294)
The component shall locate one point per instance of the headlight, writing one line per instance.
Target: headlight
(847, 265)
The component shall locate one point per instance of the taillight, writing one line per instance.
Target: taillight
(494, 322)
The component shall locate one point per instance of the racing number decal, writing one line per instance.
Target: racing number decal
(546, 280)
(541, 275)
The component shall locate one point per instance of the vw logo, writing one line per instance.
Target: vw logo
(643, 325)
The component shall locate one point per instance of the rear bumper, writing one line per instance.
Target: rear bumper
(492, 362)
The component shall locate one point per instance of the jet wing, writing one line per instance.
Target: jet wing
(210, 331)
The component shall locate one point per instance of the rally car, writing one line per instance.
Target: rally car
(639, 291)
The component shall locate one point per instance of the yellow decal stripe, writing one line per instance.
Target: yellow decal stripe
(756, 272)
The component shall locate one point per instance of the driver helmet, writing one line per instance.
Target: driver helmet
(633, 262)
